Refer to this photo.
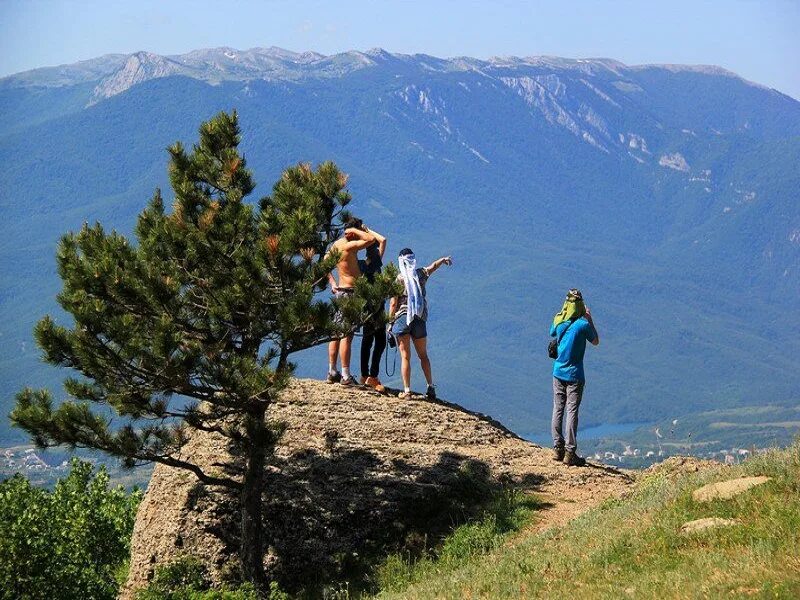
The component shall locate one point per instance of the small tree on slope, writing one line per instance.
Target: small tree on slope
(192, 329)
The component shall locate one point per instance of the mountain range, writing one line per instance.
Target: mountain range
(667, 193)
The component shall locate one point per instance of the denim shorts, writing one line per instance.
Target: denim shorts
(417, 329)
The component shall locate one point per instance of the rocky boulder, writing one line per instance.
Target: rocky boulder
(355, 475)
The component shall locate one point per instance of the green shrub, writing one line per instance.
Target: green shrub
(176, 579)
(470, 540)
(186, 578)
(68, 543)
(507, 512)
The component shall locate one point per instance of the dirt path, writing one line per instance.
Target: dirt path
(565, 501)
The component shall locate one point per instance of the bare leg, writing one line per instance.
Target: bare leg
(333, 352)
(404, 345)
(345, 350)
(421, 346)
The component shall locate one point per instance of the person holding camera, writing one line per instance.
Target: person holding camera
(409, 313)
(572, 327)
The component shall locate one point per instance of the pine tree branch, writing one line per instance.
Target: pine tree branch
(78, 427)
(141, 312)
(199, 473)
(196, 392)
(236, 249)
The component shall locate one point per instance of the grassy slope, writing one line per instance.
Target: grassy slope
(633, 547)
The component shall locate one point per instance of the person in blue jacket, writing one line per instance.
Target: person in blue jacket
(572, 327)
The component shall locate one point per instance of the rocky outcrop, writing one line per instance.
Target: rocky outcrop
(675, 467)
(355, 475)
(674, 161)
(140, 67)
(724, 490)
(707, 523)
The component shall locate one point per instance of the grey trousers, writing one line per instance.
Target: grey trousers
(566, 395)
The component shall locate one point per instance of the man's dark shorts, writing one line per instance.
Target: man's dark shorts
(417, 328)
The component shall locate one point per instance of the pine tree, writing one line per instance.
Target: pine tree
(193, 327)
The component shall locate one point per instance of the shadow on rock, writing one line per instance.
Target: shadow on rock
(330, 517)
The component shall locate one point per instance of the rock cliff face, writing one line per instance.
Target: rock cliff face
(354, 475)
(139, 67)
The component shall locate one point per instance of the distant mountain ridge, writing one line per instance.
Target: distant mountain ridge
(225, 63)
(119, 72)
(535, 79)
(669, 193)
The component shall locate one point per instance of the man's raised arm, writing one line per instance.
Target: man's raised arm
(596, 339)
(381, 240)
(364, 239)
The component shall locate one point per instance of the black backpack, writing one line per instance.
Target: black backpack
(552, 347)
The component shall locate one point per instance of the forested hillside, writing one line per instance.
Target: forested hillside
(668, 194)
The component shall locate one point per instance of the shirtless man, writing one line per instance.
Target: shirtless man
(356, 237)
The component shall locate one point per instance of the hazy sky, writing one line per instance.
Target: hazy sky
(758, 40)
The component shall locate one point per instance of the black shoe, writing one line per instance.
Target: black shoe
(558, 453)
(335, 377)
(431, 393)
(573, 460)
(348, 381)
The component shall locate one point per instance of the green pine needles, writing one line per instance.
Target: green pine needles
(193, 327)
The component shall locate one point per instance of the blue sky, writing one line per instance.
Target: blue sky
(758, 40)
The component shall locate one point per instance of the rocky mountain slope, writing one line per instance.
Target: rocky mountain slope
(667, 193)
(586, 97)
(355, 475)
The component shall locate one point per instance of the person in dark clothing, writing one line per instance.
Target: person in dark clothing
(373, 340)
(572, 327)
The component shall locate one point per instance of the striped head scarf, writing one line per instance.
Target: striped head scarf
(408, 271)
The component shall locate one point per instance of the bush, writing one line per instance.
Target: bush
(186, 578)
(69, 543)
(507, 512)
(185, 574)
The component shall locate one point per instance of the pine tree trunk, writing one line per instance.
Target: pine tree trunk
(251, 551)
